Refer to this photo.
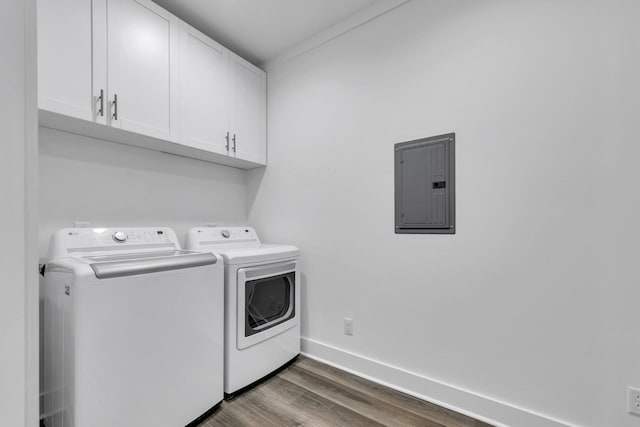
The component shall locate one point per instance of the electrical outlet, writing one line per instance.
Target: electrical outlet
(633, 398)
(348, 326)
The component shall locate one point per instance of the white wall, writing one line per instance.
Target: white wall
(110, 184)
(18, 264)
(534, 301)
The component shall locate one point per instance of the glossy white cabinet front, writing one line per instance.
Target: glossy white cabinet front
(140, 39)
(248, 103)
(222, 99)
(203, 91)
(64, 57)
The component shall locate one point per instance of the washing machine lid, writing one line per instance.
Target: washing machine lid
(123, 251)
(258, 254)
(109, 266)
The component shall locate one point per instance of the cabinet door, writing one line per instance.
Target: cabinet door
(248, 110)
(64, 57)
(204, 117)
(141, 52)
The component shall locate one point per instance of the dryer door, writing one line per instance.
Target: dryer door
(266, 302)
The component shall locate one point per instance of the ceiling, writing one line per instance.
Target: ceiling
(260, 30)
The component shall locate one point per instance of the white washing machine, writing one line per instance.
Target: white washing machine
(133, 329)
(262, 302)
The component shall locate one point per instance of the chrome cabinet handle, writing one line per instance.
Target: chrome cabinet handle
(101, 99)
(234, 142)
(115, 107)
(227, 144)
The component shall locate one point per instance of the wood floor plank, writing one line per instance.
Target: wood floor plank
(269, 416)
(224, 417)
(311, 394)
(366, 405)
(282, 392)
(403, 401)
(253, 410)
(319, 411)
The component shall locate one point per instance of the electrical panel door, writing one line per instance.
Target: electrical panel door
(425, 185)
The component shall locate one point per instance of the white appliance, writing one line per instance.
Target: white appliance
(133, 329)
(262, 302)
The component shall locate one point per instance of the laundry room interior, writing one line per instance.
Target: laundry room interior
(519, 308)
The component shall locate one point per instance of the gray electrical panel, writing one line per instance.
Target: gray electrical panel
(425, 185)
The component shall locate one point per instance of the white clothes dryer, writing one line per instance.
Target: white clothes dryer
(133, 329)
(262, 302)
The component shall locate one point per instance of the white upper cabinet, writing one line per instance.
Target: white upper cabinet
(152, 80)
(141, 40)
(204, 113)
(222, 99)
(248, 102)
(64, 57)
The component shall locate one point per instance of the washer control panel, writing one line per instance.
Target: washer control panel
(120, 236)
(78, 240)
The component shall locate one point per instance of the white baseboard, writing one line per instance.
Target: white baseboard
(483, 408)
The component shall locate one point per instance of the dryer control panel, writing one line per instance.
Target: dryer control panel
(228, 233)
(236, 233)
(222, 236)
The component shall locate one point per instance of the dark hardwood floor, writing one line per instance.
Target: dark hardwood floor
(310, 393)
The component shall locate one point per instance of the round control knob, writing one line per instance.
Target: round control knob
(225, 234)
(120, 236)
